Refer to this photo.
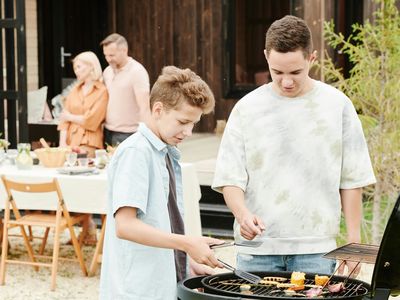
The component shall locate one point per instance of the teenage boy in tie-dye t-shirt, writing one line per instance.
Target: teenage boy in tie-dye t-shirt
(292, 157)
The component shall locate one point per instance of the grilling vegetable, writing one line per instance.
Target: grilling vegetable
(298, 278)
(321, 280)
(245, 287)
(275, 279)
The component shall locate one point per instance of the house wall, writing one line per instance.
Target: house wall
(185, 33)
(189, 33)
(31, 44)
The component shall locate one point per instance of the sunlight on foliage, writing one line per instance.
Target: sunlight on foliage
(373, 86)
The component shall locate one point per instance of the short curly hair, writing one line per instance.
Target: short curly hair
(287, 35)
(175, 86)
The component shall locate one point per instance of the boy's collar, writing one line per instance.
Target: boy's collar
(157, 143)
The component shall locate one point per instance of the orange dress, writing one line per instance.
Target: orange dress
(93, 107)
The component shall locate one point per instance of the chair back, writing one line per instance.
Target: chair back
(35, 188)
(60, 221)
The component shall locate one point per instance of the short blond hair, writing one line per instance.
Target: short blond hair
(116, 38)
(88, 57)
(175, 86)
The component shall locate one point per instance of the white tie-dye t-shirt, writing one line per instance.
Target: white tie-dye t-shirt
(291, 156)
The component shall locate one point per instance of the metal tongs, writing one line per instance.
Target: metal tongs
(254, 279)
(253, 244)
(347, 278)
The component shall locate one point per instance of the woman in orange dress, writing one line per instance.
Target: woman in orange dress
(85, 106)
(81, 122)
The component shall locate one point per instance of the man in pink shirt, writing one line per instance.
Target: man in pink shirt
(128, 87)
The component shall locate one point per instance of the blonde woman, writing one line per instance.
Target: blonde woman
(83, 115)
(85, 106)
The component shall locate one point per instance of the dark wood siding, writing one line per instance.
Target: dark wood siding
(184, 33)
(189, 34)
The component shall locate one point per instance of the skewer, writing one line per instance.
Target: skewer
(334, 272)
(352, 271)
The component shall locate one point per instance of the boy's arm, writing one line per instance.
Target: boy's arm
(250, 224)
(129, 227)
(351, 200)
(352, 210)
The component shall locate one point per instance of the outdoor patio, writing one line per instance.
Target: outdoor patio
(22, 282)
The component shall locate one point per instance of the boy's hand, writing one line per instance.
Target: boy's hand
(199, 250)
(250, 226)
(198, 269)
(352, 267)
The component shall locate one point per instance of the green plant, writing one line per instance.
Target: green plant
(3, 143)
(374, 51)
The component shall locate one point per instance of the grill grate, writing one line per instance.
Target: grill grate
(352, 289)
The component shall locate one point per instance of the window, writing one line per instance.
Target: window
(347, 13)
(246, 23)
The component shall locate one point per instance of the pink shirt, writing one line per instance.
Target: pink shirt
(128, 90)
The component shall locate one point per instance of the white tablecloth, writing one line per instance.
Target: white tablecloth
(88, 193)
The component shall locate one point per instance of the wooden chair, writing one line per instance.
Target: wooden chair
(98, 252)
(59, 221)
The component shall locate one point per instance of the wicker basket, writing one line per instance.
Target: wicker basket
(52, 157)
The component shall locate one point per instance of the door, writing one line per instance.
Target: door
(66, 28)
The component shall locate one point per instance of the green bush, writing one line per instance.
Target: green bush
(373, 85)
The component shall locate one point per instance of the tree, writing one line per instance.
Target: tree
(374, 87)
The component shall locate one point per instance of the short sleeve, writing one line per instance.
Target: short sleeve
(142, 82)
(231, 160)
(130, 186)
(357, 169)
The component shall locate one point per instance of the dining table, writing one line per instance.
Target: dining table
(87, 193)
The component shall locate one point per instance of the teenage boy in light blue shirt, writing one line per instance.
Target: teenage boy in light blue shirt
(144, 226)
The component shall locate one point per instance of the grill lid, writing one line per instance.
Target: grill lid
(387, 267)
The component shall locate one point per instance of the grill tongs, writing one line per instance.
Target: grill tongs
(254, 279)
(341, 285)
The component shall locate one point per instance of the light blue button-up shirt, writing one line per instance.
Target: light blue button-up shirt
(138, 177)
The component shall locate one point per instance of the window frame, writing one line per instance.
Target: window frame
(231, 89)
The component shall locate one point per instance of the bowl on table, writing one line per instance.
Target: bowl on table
(52, 157)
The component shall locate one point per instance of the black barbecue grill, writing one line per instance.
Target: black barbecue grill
(385, 279)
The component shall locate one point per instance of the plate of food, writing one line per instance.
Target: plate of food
(77, 170)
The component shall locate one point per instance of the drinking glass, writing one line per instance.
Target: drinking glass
(101, 158)
(12, 155)
(24, 159)
(83, 162)
(2, 153)
(71, 159)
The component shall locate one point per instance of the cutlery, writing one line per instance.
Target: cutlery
(242, 274)
(253, 244)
